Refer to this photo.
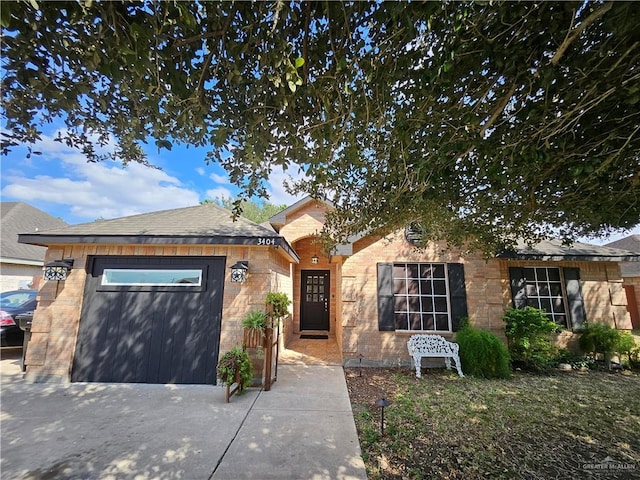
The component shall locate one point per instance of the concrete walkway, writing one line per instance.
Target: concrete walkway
(302, 429)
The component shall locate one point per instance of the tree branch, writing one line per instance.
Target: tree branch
(498, 110)
(576, 33)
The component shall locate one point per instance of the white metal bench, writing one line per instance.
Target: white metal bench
(430, 346)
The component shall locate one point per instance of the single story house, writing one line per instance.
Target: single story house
(20, 264)
(150, 298)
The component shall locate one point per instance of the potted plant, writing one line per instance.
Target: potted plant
(254, 324)
(278, 304)
(235, 367)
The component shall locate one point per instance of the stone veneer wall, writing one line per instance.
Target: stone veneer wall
(602, 290)
(360, 305)
(56, 321)
(488, 295)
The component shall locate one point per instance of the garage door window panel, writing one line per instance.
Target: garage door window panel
(150, 279)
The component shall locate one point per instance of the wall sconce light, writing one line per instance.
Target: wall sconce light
(239, 271)
(381, 404)
(58, 269)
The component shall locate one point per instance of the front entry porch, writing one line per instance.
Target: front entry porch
(305, 351)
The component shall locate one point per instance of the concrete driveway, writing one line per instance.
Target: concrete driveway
(302, 429)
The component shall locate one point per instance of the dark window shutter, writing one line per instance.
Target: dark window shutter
(385, 297)
(458, 294)
(518, 290)
(574, 297)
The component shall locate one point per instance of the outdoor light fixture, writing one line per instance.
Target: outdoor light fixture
(382, 403)
(57, 270)
(315, 259)
(240, 271)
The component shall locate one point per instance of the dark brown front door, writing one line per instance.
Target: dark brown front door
(314, 300)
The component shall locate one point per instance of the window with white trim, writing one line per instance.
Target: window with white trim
(421, 297)
(543, 288)
(152, 277)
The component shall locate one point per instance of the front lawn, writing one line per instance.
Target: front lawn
(563, 426)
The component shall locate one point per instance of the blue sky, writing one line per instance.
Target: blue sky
(62, 183)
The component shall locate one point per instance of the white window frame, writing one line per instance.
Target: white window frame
(183, 273)
(537, 298)
(420, 295)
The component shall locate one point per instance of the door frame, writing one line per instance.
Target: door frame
(327, 299)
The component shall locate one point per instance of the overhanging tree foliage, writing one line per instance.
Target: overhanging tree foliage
(476, 120)
(258, 212)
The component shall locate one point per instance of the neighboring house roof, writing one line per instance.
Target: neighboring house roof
(17, 218)
(632, 243)
(555, 250)
(202, 224)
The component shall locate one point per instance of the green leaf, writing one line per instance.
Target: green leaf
(299, 62)
(166, 144)
(5, 14)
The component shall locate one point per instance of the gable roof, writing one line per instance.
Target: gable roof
(280, 218)
(555, 250)
(17, 218)
(201, 224)
(631, 243)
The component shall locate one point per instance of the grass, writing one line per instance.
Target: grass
(527, 427)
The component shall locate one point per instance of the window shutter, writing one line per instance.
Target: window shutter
(385, 298)
(574, 297)
(458, 294)
(518, 291)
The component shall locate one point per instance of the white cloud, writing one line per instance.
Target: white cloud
(97, 190)
(219, 192)
(223, 179)
(200, 171)
(278, 194)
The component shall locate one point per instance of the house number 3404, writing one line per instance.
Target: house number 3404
(266, 241)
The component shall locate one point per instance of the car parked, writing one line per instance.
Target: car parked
(12, 304)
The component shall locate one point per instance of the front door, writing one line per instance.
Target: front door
(314, 300)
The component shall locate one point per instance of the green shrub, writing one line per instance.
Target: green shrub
(235, 360)
(482, 354)
(634, 358)
(602, 339)
(529, 333)
(626, 343)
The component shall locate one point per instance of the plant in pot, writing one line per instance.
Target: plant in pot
(254, 324)
(277, 304)
(235, 367)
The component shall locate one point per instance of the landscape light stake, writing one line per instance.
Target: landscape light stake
(382, 403)
(360, 368)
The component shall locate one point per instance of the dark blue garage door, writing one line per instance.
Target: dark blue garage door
(150, 320)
